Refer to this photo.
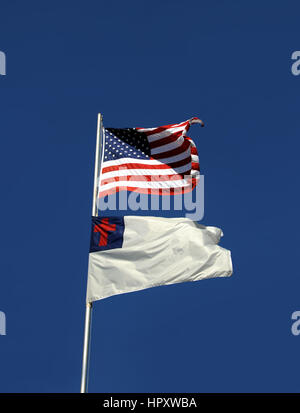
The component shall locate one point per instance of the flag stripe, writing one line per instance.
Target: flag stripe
(152, 191)
(141, 178)
(158, 165)
(168, 146)
(154, 172)
(181, 155)
(173, 152)
(164, 133)
(164, 141)
(150, 184)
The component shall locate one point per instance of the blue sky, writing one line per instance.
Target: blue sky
(148, 63)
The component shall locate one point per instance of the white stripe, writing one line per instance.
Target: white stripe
(128, 172)
(165, 133)
(122, 161)
(178, 157)
(168, 146)
(195, 158)
(147, 184)
(175, 125)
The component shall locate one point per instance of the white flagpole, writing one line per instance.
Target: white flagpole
(89, 306)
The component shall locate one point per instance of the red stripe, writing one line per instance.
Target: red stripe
(172, 165)
(182, 162)
(183, 147)
(166, 140)
(152, 191)
(142, 178)
(163, 128)
(183, 125)
(134, 166)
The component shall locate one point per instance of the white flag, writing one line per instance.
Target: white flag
(132, 253)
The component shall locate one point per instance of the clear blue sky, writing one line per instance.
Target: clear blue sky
(148, 63)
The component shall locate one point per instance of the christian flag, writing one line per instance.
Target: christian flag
(132, 253)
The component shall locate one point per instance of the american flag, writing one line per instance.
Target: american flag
(160, 161)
